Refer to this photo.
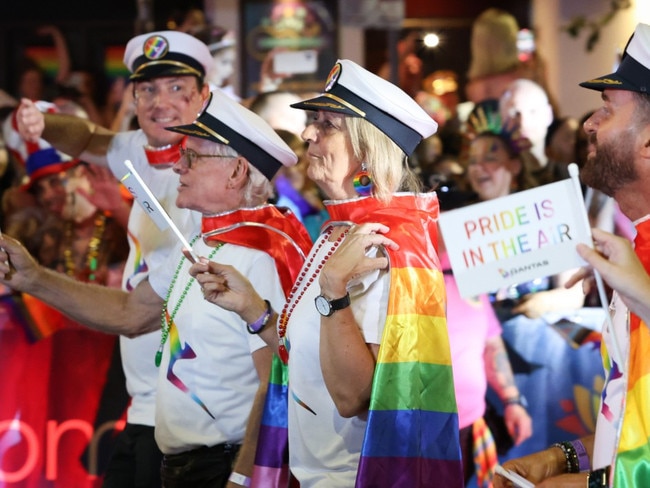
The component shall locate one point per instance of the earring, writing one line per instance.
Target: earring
(363, 182)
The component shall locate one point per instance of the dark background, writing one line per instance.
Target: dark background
(90, 27)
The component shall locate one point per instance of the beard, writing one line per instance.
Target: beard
(611, 167)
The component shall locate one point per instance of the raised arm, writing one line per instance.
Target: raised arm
(74, 136)
(97, 307)
(62, 52)
(347, 362)
(226, 287)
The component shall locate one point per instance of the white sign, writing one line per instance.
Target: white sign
(517, 238)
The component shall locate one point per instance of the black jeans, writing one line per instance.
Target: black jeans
(206, 467)
(135, 462)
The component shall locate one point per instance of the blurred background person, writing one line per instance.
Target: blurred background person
(69, 233)
(529, 101)
(222, 46)
(275, 108)
(501, 52)
(494, 57)
(561, 139)
(32, 81)
(298, 192)
(409, 64)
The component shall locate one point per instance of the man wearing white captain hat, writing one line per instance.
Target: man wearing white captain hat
(618, 161)
(212, 370)
(168, 70)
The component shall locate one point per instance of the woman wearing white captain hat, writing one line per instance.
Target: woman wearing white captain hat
(370, 382)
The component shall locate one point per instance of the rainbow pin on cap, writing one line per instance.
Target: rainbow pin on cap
(167, 53)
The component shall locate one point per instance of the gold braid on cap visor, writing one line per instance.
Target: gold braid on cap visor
(357, 111)
(212, 132)
(184, 66)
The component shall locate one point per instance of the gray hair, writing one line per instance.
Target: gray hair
(258, 188)
(642, 108)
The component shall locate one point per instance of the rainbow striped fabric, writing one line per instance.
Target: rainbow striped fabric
(284, 238)
(411, 438)
(632, 465)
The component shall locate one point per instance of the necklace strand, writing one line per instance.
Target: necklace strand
(92, 254)
(291, 304)
(166, 319)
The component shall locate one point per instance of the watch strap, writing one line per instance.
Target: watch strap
(340, 303)
(518, 400)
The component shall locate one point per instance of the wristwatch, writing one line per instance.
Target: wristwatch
(518, 400)
(327, 307)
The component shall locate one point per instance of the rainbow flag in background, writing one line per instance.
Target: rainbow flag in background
(411, 438)
(632, 465)
(113, 62)
(46, 57)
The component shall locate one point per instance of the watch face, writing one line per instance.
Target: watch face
(323, 306)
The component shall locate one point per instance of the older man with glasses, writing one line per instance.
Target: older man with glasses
(213, 367)
(167, 71)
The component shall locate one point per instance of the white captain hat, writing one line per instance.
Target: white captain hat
(633, 72)
(166, 53)
(228, 122)
(353, 90)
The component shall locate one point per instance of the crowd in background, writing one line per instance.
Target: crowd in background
(504, 134)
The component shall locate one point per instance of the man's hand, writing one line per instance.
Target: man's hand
(18, 269)
(30, 121)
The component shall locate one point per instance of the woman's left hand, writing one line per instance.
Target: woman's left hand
(350, 261)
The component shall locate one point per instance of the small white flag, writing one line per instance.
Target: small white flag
(143, 195)
(517, 238)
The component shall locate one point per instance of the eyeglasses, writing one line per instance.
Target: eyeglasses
(191, 156)
(147, 92)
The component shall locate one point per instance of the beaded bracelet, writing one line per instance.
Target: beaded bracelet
(571, 456)
(583, 457)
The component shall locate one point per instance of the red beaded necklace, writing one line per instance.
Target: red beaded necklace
(294, 296)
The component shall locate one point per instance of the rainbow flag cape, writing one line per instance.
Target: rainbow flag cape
(411, 437)
(632, 465)
(283, 237)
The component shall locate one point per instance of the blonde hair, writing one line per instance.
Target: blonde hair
(385, 160)
(493, 44)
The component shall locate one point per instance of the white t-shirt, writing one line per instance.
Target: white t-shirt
(147, 247)
(206, 396)
(324, 447)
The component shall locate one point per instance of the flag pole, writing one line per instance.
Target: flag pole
(574, 172)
